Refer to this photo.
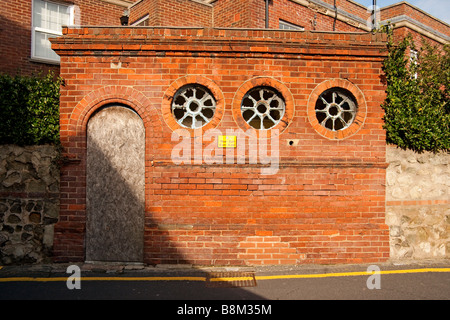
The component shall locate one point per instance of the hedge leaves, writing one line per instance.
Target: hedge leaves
(29, 109)
(417, 108)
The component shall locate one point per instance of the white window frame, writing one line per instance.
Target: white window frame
(284, 25)
(144, 18)
(34, 29)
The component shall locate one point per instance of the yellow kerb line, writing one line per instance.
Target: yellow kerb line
(25, 279)
(350, 274)
(295, 276)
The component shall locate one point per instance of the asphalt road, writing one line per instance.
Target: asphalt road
(418, 282)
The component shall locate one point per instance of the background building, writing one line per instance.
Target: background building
(26, 25)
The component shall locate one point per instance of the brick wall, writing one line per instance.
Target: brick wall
(142, 8)
(434, 29)
(313, 17)
(99, 13)
(326, 202)
(244, 14)
(352, 7)
(185, 13)
(172, 13)
(404, 8)
(239, 14)
(251, 14)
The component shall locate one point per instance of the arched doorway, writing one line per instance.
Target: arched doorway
(115, 185)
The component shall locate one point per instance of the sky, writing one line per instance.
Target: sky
(437, 8)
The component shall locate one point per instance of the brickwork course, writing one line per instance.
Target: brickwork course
(327, 201)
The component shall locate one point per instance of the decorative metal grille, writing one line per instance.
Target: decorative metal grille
(263, 107)
(193, 106)
(336, 109)
(230, 280)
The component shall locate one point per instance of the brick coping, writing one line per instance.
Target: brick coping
(223, 32)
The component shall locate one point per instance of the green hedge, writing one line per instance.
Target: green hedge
(29, 109)
(417, 108)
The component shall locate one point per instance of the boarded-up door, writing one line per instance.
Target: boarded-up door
(115, 186)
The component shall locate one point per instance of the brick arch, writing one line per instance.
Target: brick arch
(72, 225)
(267, 82)
(360, 115)
(108, 95)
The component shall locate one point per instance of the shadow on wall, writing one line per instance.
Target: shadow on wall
(116, 216)
(115, 186)
(115, 211)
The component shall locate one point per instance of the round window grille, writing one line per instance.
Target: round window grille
(193, 106)
(336, 109)
(263, 107)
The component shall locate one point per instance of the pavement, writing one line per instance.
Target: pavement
(393, 280)
(136, 269)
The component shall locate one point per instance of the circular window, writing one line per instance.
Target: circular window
(336, 109)
(193, 106)
(263, 107)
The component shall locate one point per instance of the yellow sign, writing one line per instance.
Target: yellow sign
(227, 141)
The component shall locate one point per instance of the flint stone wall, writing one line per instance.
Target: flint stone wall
(417, 204)
(29, 202)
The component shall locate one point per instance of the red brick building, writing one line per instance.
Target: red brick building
(26, 25)
(197, 136)
(325, 200)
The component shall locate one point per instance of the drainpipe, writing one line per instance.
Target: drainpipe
(335, 16)
(267, 14)
(374, 15)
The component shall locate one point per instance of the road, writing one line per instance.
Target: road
(390, 282)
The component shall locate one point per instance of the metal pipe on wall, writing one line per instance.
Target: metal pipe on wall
(267, 14)
(335, 16)
(374, 15)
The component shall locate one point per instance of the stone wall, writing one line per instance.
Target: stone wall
(417, 204)
(29, 202)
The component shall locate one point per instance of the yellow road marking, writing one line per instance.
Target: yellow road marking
(144, 278)
(25, 279)
(204, 279)
(350, 274)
